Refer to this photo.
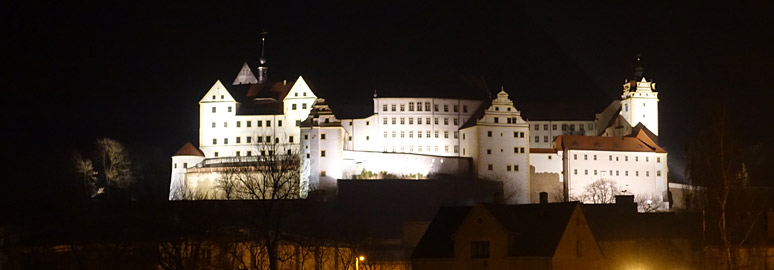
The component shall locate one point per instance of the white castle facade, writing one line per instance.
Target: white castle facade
(417, 138)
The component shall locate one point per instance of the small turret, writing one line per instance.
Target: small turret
(262, 68)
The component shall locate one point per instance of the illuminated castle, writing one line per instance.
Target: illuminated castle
(419, 137)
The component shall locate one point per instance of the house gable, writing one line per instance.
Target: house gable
(578, 248)
(217, 93)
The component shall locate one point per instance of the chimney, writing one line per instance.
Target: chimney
(543, 197)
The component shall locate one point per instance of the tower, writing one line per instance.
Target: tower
(639, 101)
(262, 68)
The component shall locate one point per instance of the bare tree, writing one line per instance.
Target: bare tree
(114, 163)
(183, 191)
(601, 191)
(273, 180)
(85, 169)
(731, 206)
(650, 203)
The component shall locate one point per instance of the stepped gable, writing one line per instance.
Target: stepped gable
(189, 150)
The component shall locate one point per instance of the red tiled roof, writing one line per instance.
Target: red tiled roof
(543, 150)
(640, 143)
(189, 150)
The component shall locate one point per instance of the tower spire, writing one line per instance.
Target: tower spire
(639, 71)
(262, 68)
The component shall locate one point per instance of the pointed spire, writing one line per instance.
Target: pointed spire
(262, 68)
(245, 76)
(639, 71)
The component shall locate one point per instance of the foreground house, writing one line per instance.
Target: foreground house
(490, 236)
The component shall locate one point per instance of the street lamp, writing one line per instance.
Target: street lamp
(358, 260)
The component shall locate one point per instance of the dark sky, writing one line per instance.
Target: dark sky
(77, 72)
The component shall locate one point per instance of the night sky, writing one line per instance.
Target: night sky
(136, 72)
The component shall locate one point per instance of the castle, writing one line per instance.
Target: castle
(421, 137)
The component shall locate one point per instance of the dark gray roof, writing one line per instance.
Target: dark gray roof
(438, 240)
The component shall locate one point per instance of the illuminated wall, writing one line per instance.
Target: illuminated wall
(640, 105)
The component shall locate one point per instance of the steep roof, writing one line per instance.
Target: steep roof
(260, 99)
(535, 228)
(542, 150)
(189, 150)
(599, 143)
(438, 240)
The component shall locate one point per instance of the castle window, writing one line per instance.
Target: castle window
(445, 107)
(295, 94)
(508, 168)
(636, 158)
(497, 108)
(581, 127)
(263, 152)
(537, 127)
(368, 137)
(225, 140)
(216, 154)
(427, 107)
(585, 157)
(636, 173)
(279, 122)
(402, 107)
(616, 172)
(238, 139)
(545, 139)
(456, 149)
(545, 126)
(229, 108)
(446, 148)
(419, 120)
(658, 159)
(185, 165)
(626, 158)
(646, 159)
(368, 123)
(394, 107)
(394, 121)
(585, 172)
(464, 108)
(402, 134)
(268, 123)
(595, 157)
(238, 153)
(213, 124)
(456, 108)
(290, 139)
(435, 120)
(214, 141)
(394, 134)
(435, 107)
(463, 151)
(591, 126)
(428, 135)
(322, 136)
(626, 107)
(249, 139)
(626, 173)
(658, 173)
(384, 120)
(488, 151)
(553, 127)
(489, 167)
(537, 139)
(303, 106)
(564, 127)
(436, 134)
(522, 150)
(610, 157)
(575, 171)
(427, 120)
(249, 153)
(550, 157)
(221, 96)
(385, 134)
(322, 173)
(176, 163)
(411, 134)
(616, 158)
(575, 156)
(595, 172)
(411, 120)
(647, 173)
(446, 121)
(214, 109)
(489, 133)
(259, 123)
(463, 136)
(456, 122)
(516, 168)
(322, 153)
(521, 134)
(419, 134)
(497, 120)
(258, 139)
(298, 123)
(249, 123)
(456, 134)
(268, 139)
(293, 106)
(402, 120)
(239, 123)
(306, 136)
(213, 96)
(384, 107)
(515, 150)
(225, 124)
(411, 106)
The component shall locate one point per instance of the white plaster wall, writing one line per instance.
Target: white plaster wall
(180, 165)
(547, 131)
(401, 164)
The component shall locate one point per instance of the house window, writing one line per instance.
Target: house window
(436, 134)
(322, 173)
(521, 134)
(508, 168)
(238, 139)
(306, 136)
(446, 134)
(214, 109)
(427, 120)
(259, 123)
(249, 139)
(225, 124)
(402, 120)
(411, 106)
(238, 153)
(268, 123)
(537, 127)
(445, 108)
(239, 123)
(545, 139)
(290, 139)
(537, 139)
(411, 120)
(647, 173)
(419, 120)
(427, 106)
(658, 159)
(489, 133)
(322, 153)
(185, 165)
(214, 141)
(229, 108)
(456, 149)
(595, 157)
(575, 156)
(456, 121)
(488, 151)
(489, 167)
(279, 123)
(402, 107)
(268, 139)
(446, 121)
(303, 106)
(436, 120)
(216, 154)
(393, 134)
(385, 134)
(585, 157)
(575, 171)
(384, 121)
(585, 172)
(553, 127)
(516, 168)
(249, 123)
(293, 106)
(384, 107)
(626, 158)
(322, 136)
(259, 139)
(595, 172)
(497, 120)
(435, 107)
(402, 134)
(464, 108)
(658, 173)
(479, 249)
(368, 137)
(456, 134)
(225, 141)
(394, 121)
(213, 124)
(411, 134)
